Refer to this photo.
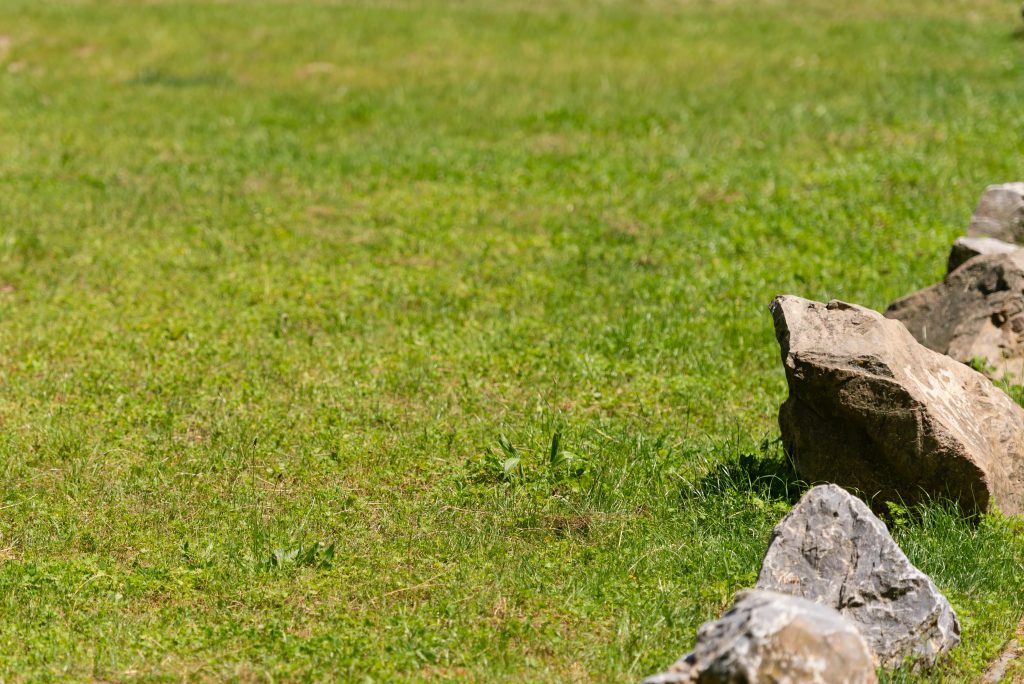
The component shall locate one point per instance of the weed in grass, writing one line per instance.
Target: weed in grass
(315, 555)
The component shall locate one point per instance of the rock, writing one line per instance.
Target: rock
(831, 549)
(773, 638)
(977, 312)
(966, 248)
(683, 671)
(1000, 213)
(871, 409)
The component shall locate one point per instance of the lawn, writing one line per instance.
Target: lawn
(429, 340)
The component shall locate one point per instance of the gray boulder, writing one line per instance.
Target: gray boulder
(966, 248)
(831, 549)
(871, 409)
(1000, 213)
(772, 638)
(976, 312)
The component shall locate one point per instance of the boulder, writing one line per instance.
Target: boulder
(966, 248)
(871, 409)
(771, 638)
(1000, 213)
(976, 312)
(831, 549)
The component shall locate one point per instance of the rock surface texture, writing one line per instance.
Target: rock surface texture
(966, 248)
(871, 409)
(831, 549)
(977, 311)
(772, 638)
(1000, 213)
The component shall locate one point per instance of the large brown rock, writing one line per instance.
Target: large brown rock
(771, 638)
(871, 409)
(976, 312)
(1000, 213)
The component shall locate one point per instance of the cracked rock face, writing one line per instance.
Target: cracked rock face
(976, 312)
(831, 549)
(872, 410)
(772, 638)
(1000, 213)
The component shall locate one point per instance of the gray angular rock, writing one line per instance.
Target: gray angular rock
(769, 638)
(1000, 213)
(976, 312)
(871, 409)
(966, 248)
(831, 549)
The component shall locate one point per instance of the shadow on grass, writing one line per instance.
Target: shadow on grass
(159, 77)
(768, 474)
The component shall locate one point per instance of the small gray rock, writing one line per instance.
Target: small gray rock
(831, 549)
(772, 638)
(1000, 213)
(966, 248)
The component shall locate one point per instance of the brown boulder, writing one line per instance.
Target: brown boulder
(871, 409)
(976, 312)
(1000, 213)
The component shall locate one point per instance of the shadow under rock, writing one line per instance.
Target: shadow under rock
(769, 474)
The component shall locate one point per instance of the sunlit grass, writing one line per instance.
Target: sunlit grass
(284, 277)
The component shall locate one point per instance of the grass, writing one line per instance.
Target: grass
(296, 297)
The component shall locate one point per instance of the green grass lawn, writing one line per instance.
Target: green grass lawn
(429, 340)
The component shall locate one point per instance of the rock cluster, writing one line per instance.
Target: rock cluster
(977, 312)
(835, 598)
(886, 406)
